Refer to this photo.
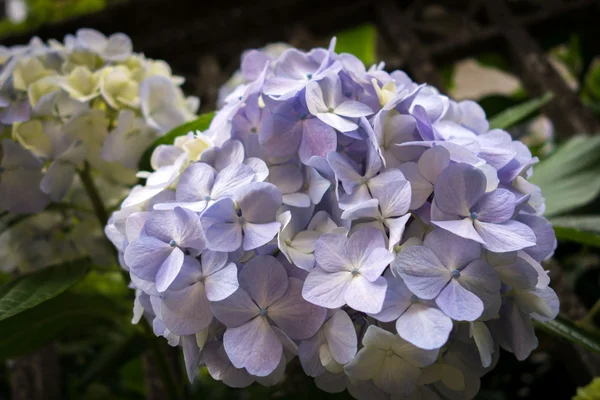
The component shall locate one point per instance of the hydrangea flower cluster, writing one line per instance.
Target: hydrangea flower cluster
(369, 225)
(89, 103)
(89, 99)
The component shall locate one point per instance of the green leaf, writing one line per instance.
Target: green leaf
(566, 329)
(575, 235)
(589, 392)
(569, 178)
(513, 115)
(37, 326)
(360, 41)
(590, 223)
(199, 124)
(32, 289)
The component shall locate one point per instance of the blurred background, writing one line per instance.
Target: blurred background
(502, 53)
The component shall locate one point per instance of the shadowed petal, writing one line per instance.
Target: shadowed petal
(458, 303)
(253, 346)
(298, 318)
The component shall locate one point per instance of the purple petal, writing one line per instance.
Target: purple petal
(337, 122)
(318, 139)
(225, 237)
(497, 206)
(186, 311)
(253, 346)
(326, 289)
(236, 309)
(366, 296)
(458, 188)
(345, 170)
(480, 278)
(545, 237)
(265, 280)
(258, 201)
(394, 199)
(433, 162)
(396, 227)
(314, 98)
(230, 178)
(256, 235)
(331, 252)
(341, 337)
(514, 331)
(508, 236)
(222, 283)
(425, 327)
(366, 249)
(397, 299)
(191, 356)
(463, 228)
(298, 318)
(353, 109)
(220, 368)
(458, 303)
(169, 269)
(308, 353)
(452, 250)
(195, 183)
(145, 256)
(420, 187)
(422, 271)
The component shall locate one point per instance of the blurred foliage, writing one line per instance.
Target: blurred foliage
(590, 392)
(360, 41)
(42, 12)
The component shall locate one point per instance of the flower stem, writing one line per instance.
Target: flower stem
(588, 320)
(92, 191)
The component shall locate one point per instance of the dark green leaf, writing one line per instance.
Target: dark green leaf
(566, 329)
(569, 178)
(575, 235)
(37, 326)
(35, 288)
(513, 115)
(359, 41)
(113, 356)
(590, 223)
(199, 124)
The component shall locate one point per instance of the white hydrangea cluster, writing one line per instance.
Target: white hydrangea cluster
(87, 104)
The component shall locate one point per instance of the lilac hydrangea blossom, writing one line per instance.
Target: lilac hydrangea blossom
(266, 293)
(369, 225)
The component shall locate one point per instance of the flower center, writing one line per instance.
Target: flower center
(355, 272)
(364, 180)
(414, 299)
(241, 220)
(207, 198)
(263, 312)
(389, 353)
(173, 243)
(456, 274)
(303, 116)
(253, 130)
(474, 215)
(308, 76)
(330, 109)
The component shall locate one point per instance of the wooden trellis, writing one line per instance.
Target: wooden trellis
(203, 40)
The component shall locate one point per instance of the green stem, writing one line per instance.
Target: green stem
(425, 227)
(588, 320)
(102, 216)
(92, 191)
